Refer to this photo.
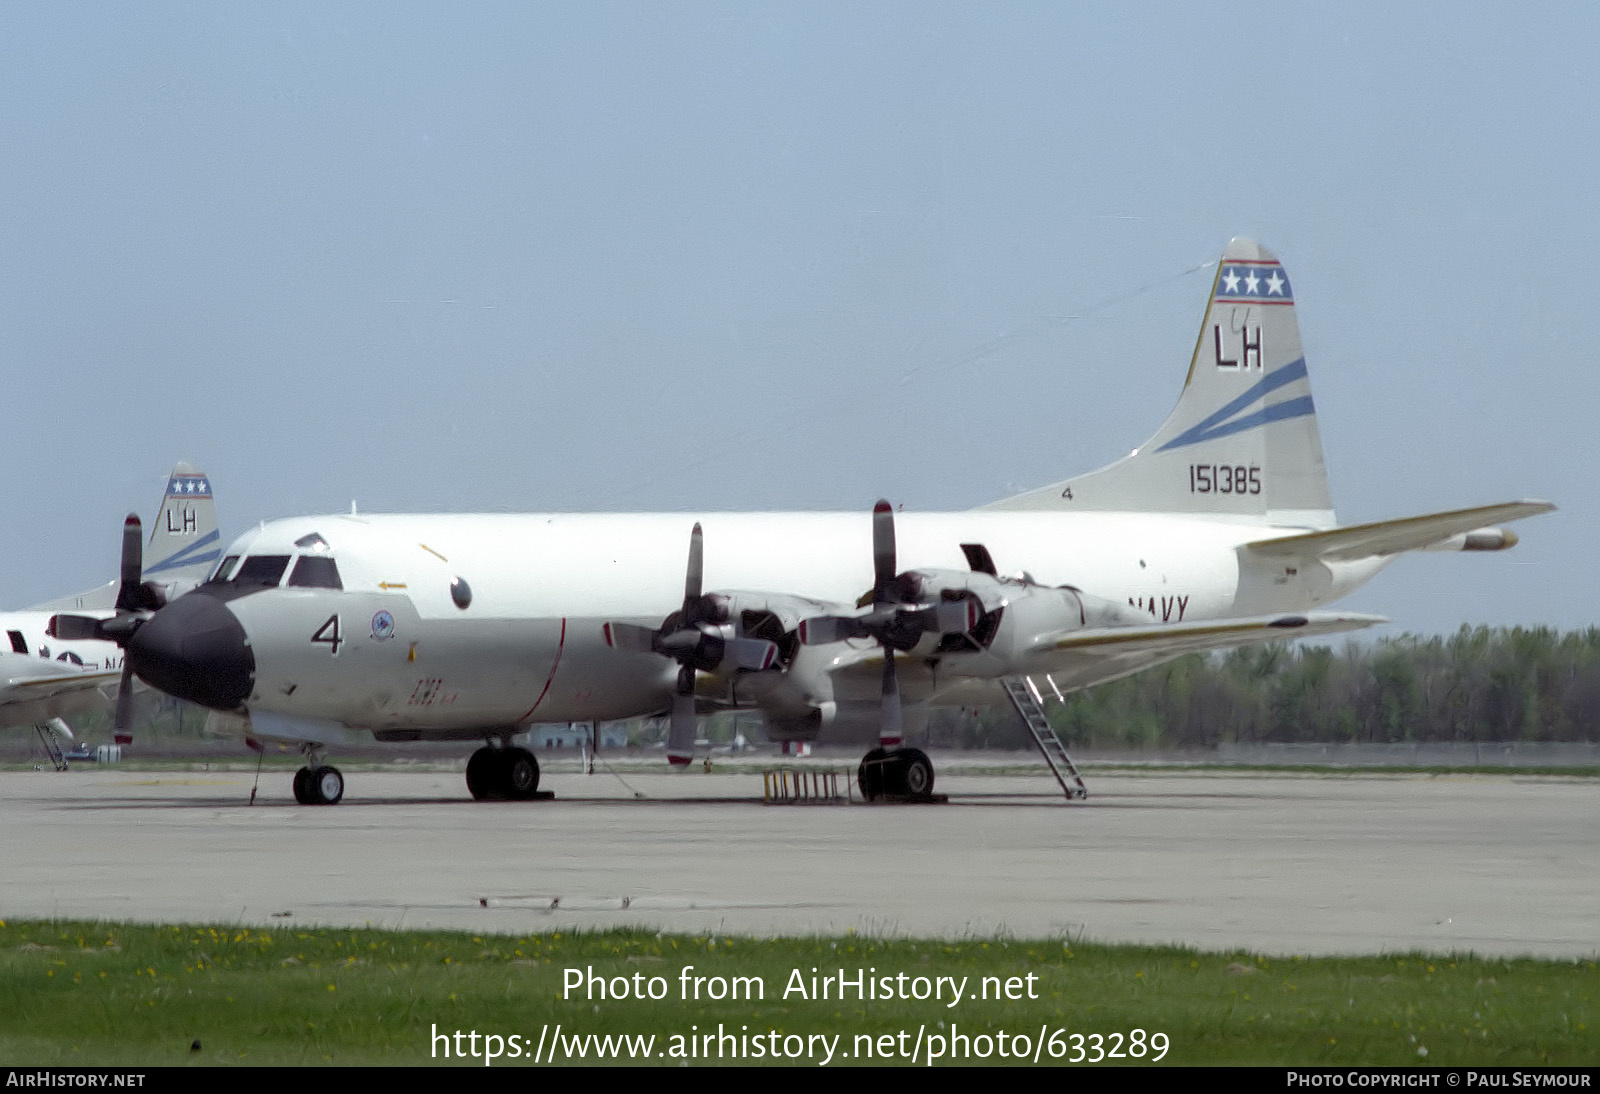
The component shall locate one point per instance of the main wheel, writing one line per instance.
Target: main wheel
(915, 772)
(519, 773)
(870, 775)
(326, 785)
(302, 786)
(482, 771)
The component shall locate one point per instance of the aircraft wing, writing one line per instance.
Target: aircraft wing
(1176, 638)
(33, 690)
(1084, 657)
(102, 598)
(1388, 537)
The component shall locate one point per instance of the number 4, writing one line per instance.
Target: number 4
(329, 633)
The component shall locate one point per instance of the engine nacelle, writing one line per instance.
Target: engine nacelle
(1018, 613)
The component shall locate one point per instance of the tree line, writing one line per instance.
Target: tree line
(1479, 684)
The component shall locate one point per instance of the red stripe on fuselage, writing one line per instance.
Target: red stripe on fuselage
(561, 644)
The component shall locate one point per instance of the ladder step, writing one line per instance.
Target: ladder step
(1029, 705)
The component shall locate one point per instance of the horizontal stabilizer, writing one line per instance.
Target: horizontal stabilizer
(1388, 537)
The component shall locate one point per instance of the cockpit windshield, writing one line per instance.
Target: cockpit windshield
(225, 569)
(261, 570)
(315, 572)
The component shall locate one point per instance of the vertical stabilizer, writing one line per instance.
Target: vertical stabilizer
(184, 544)
(1243, 440)
(184, 541)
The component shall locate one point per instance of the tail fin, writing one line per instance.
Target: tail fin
(1243, 440)
(184, 541)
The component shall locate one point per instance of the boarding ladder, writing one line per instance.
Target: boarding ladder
(52, 745)
(1024, 696)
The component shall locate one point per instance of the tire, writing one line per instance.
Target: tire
(302, 786)
(870, 776)
(327, 785)
(519, 774)
(915, 773)
(482, 774)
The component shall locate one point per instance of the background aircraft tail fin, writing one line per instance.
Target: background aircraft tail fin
(184, 541)
(1242, 443)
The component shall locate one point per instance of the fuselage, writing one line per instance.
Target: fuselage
(24, 633)
(443, 622)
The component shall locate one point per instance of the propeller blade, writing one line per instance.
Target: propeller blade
(752, 653)
(979, 560)
(892, 727)
(691, 585)
(680, 734)
(883, 553)
(821, 629)
(952, 616)
(630, 636)
(120, 628)
(122, 726)
(128, 594)
(71, 628)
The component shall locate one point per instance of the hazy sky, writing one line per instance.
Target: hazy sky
(645, 256)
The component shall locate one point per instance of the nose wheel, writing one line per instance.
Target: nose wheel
(320, 785)
(503, 774)
(903, 774)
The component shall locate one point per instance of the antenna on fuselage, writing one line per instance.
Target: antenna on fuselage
(352, 507)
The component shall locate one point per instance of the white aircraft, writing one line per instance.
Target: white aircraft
(46, 677)
(1219, 530)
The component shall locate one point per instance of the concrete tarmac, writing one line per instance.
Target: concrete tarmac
(1305, 864)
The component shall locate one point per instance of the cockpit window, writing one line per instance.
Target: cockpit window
(315, 572)
(311, 542)
(225, 570)
(261, 570)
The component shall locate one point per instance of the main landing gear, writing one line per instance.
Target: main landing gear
(501, 774)
(318, 784)
(903, 773)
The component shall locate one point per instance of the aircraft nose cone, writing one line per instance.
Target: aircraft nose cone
(195, 649)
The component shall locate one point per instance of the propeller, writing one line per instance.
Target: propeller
(698, 637)
(136, 600)
(891, 726)
(895, 620)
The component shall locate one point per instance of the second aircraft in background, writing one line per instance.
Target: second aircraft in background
(45, 678)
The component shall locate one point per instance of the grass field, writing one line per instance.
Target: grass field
(83, 993)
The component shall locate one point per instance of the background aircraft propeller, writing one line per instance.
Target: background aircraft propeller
(698, 638)
(136, 600)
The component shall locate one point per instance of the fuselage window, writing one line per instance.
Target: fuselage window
(261, 570)
(226, 568)
(315, 572)
(19, 644)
